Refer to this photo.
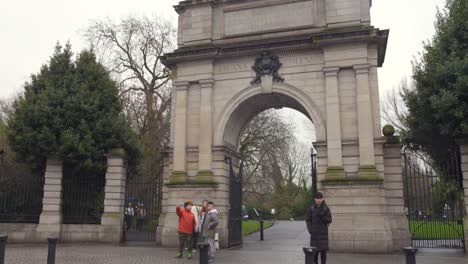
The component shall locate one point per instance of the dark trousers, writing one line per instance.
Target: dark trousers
(323, 257)
(185, 241)
(195, 239)
(140, 223)
(128, 221)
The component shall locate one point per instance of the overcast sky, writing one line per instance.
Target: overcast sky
(29, 30)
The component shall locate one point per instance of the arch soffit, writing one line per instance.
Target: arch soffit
(281, 88)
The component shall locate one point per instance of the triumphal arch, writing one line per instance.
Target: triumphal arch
(236, 58)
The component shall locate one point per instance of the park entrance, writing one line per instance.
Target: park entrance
(236, 59)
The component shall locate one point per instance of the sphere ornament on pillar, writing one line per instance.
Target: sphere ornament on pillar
(389, 134)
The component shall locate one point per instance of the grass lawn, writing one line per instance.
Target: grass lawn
(436, 230)
(252, 226)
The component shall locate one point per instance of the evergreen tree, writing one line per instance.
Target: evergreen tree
(71, 110)
(438, 106)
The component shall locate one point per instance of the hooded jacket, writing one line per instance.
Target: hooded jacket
(187, 221)
(209, 224)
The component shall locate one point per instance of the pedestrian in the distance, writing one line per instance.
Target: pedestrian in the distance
(129, 213)
(210, 222)
(187, 224)
(318, 217)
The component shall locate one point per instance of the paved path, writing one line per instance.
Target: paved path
(283, 245)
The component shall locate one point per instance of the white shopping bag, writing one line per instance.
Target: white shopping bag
(217, 240)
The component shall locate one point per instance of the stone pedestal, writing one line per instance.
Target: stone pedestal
(114, 201)
(50, 220)
(167, 235)
(360, 223)
(176, 194)
(368, 213)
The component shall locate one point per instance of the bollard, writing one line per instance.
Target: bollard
(3, 240)
(410, 253)
(51, 253)
(309, 254)
(261, 230)
(203, 248)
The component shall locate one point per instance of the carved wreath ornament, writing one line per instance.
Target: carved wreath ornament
(266, 64)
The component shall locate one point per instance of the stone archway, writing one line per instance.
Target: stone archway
(252, 100)
(231, 64)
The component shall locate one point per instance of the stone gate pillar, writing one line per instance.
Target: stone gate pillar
(114, 200)
(464, 166)
(50, 220)
(394, 195)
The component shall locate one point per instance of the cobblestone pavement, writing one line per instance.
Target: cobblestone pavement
(283, 245)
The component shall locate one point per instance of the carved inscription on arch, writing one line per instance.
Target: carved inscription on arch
(289, 60)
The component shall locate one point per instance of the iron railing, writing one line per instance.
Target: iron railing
(21, 192)
(143, 197)
(434, 199)
(83, 197)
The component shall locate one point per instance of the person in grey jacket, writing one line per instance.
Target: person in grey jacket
(210, 222)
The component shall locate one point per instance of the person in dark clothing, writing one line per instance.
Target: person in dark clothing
(318, 217)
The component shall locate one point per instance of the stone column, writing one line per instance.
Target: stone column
(366, 134)
(114, 199)
(464, 165)
(335, 158)
(50, 220)
(205, 173)
(180, 136)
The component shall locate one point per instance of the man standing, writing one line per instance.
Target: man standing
(129, 213)
(186, 226)
(210, 222)
(318, 217)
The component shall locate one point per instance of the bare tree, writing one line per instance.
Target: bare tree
(394, 108)
(131, 50)
(6, 109)
(296, 165)
(263, 138)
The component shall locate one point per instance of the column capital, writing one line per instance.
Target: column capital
(361, 69)
(207, 83)
(331, 71)
(181, 85)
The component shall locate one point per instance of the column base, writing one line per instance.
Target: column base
(335, 173)
(204, 177)
(368, 173)
(178, 177)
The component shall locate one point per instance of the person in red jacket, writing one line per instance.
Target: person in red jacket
(187, 225)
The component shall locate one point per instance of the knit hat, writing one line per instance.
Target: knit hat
(187, 203)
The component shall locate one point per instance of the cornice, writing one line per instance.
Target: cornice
(327, 38)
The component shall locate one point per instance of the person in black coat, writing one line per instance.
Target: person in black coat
(318, 217)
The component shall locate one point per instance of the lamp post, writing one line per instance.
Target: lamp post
(313, 157)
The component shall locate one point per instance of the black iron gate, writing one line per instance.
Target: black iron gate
(434, 199)
(143, 198)
(21, 191)
(235, 205)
